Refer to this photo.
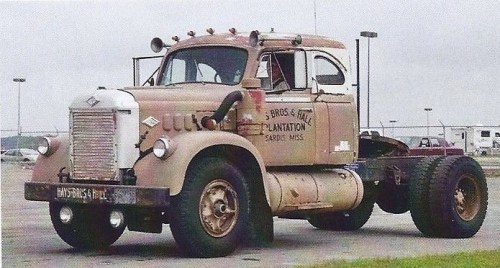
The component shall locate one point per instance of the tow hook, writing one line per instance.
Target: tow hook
(63, 177)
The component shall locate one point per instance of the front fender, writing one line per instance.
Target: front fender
(47, 167)
(151, 171)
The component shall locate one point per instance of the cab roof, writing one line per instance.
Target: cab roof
(257, 40)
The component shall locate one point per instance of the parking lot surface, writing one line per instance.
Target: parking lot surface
(28, 239)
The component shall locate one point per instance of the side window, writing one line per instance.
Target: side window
(327, 73)
(424, 142)
(435, 142)
(485, 134)
(276, 72)
(263, 72)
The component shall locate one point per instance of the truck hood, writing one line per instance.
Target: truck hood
(188, 95)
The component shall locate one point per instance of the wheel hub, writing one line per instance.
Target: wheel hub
(467, 198)
(218, 208)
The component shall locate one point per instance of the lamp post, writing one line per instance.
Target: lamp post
(427, 110)
(368, 35)
(392, 122)
(383, 128)
(19, 81)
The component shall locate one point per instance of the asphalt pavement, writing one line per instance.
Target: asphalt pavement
(28, 239)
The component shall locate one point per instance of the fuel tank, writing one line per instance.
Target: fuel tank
(326, 190)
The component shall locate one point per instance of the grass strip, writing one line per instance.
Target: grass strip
(486, 258)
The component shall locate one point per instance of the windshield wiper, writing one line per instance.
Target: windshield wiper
(199, 70)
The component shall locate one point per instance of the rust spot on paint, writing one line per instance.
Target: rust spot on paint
(258, 98)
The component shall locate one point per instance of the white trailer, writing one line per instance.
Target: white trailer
(478, 140)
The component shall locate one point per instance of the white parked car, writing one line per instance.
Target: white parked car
(20, 155)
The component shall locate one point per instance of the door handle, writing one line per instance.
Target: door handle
(307, 110)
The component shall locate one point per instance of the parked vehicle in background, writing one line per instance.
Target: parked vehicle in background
(476, 140)
(430, 145)
(20, 155)
(370, 132)
(496, 139)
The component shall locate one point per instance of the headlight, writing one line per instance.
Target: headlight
(48, 146)
(66, 215)
(44, 146)
(116, 219)
(163, 148)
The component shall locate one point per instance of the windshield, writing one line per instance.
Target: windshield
(219, 65)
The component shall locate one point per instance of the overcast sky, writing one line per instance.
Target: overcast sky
(439, 54)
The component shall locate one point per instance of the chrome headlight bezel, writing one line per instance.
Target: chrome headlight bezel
(47, 146)
(163, 147)
(44, 146)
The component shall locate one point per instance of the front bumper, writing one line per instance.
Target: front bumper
(158, 197)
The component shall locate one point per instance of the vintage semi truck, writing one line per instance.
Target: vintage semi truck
(235, 130)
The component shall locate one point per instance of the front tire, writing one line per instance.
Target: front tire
(209, 215)
(458, 197)
(89, 229)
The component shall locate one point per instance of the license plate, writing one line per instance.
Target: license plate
(84, 194)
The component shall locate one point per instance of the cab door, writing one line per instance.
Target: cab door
(289, 131)
(331, 82)
(290, 125)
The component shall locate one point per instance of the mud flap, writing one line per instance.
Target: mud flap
(260, 231)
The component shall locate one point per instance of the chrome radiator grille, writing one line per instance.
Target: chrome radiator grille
(93, 151)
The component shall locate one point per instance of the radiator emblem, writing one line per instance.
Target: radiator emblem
(151, 121)
(92, 101)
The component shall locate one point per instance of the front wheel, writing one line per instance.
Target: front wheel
(209, 215)
(89, 228)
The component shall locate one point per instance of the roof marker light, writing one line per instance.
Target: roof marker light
(210, 31)
(175, 38)
(232, 31)
(297, 40)
(191, 33)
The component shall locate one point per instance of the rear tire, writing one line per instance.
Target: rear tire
(458, 197)
(393, 198)
(89, 229)
(208, 216)
(419, 194)
(350, 220)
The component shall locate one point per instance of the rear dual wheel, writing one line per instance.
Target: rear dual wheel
(451, 197)
(419, 194)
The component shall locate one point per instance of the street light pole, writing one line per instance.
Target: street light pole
(427, 110)
(19, 81)
(392, 122)
(368, 35)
